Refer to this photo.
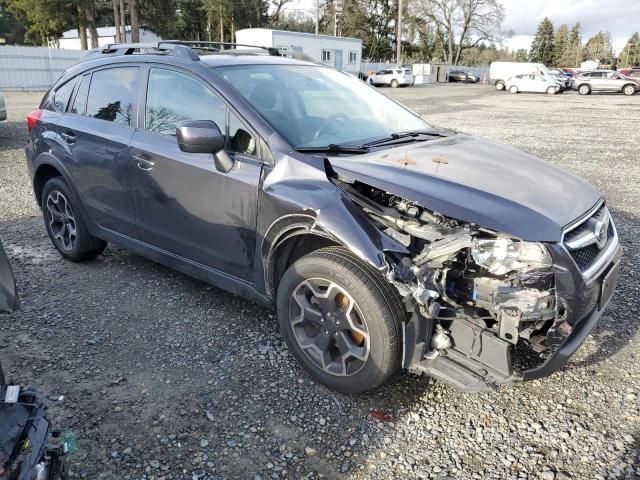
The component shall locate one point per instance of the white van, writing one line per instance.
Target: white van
(500, 72)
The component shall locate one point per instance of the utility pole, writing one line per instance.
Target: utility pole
(317, 17)
(399, 34)
(336, 13)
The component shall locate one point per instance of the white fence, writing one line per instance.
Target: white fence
(33, 68)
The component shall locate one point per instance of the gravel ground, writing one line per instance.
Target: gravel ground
(164, 377)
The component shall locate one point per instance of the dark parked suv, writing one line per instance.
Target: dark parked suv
(383, 241)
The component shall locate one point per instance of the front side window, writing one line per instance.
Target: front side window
(62, 95)
(314, 106)
(239, 139)
(174, 99)
(112, 94)
(327, 55)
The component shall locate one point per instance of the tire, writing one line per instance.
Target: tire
(552, 90)
(513, 89)
(499, 86)
(394, 84)
(374, 304)
(584, 89)
(59, 200)
(629, 90)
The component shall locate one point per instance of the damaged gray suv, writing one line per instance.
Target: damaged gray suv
(383, 242)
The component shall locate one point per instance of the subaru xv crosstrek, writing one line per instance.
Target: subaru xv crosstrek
(382, 241)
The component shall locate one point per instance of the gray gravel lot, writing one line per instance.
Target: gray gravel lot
(164, 377)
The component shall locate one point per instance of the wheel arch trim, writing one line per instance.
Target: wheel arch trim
(47, 160)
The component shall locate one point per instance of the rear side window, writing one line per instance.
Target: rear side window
(80, 102)
(174, 99)
(112, 95)
(62, 96)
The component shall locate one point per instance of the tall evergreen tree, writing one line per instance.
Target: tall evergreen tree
(560, 45)
(575, 45)
(542, 46)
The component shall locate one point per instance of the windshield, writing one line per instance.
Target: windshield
(313, 106)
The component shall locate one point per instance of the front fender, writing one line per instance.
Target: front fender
(306, 200)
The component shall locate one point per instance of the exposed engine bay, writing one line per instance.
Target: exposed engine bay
(477, 298)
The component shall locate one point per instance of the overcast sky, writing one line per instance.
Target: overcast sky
(620, 17)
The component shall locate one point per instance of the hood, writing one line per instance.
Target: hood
(478, 181)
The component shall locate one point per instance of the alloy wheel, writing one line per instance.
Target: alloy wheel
(62, 222)
(329, 327)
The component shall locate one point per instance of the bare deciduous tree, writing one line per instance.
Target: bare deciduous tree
(277, 6)
(462, 24)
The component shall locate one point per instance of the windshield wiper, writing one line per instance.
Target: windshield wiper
(402, 137)
(334, 148)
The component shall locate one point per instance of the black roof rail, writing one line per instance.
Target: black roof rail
(179, 48)
(202, 45)
(159, 47)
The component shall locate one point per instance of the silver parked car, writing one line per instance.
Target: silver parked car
(532, 83)
(604, 81)
(392, 77)
(3, 108)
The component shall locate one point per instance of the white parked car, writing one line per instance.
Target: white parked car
(532, 83)
(392, 77)
(3, 109)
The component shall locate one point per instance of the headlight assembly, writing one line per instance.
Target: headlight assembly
(501, 255)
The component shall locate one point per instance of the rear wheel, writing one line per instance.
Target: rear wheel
(513, 89)
(394, 84)
(629, 90)
(584, 89)
(65, 224)
(341, 320)
(499, 86)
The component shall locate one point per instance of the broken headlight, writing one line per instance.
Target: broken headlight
(501, 255)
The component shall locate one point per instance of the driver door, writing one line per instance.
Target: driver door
(183, 204)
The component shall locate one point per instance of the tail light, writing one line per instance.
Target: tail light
(33, 118)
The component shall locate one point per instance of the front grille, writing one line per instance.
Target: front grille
(581, 242)
(585, 257)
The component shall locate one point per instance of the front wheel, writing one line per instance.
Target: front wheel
(629, 90)
(394, 84)
(341, 320)
(552, 90)
(513, 89)
(584, 90)
(65, 224)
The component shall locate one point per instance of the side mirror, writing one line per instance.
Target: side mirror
(204, 136)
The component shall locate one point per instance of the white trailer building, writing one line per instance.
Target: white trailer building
(343, 53)
(71, 39)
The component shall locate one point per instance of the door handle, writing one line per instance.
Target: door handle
(143, 163)
(68, 137)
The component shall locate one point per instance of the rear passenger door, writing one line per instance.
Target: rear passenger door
(598, 82)
(96, 129)
(184, 205)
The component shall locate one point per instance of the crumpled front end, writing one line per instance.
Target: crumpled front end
(486, 309)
